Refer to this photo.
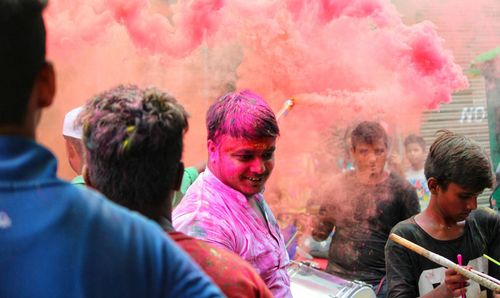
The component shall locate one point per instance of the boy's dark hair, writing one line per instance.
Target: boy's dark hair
(22, 54)
(368, 132)
(133, 142)
(458, 159)
(414, 139)
(242, 114)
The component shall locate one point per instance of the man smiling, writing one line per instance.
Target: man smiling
(225, 205)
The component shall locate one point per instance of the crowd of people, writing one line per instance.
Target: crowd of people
(136, 223)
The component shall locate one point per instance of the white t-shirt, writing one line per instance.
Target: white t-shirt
(417, 179)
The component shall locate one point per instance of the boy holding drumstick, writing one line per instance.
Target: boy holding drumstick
(457, 171)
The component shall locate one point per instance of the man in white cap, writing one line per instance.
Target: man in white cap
(72, 134)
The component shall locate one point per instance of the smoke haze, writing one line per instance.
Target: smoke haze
(341, 61)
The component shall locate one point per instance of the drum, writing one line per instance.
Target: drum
(305, 281)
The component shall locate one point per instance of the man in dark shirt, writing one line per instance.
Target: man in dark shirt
(364, 204)
(457, 171)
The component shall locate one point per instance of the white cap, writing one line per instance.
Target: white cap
(69, 127)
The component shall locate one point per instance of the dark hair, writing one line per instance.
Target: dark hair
(458, 159)
(133, 141)
(368, 132)
(242, 114)
(22, 54)
(414, 139)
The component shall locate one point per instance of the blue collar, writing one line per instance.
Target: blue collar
(23, 160)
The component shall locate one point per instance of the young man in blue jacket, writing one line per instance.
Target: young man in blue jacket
(58, 240)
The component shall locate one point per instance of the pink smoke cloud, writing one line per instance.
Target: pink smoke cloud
(342, 61)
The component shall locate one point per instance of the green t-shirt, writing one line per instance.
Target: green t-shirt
(78, 180)
(189, 176)
(496, 198)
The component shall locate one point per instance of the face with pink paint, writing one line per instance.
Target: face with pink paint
(245, 165)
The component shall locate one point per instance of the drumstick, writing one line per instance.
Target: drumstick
(486, 276)
(445, 262)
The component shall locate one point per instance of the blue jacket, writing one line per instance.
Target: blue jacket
(58, 240)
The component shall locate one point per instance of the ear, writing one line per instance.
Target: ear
(46, 85)
(86, 176)
(72, 155)
(433, 185)
(212, 150)
(178, 180)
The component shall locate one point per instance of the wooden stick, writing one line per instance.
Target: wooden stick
(486, 276)
(445, 262)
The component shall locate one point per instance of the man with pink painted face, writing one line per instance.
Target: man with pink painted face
(225, 205)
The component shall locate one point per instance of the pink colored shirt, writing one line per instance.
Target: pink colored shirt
(220, 215)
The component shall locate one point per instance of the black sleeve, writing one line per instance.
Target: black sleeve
(400, 271)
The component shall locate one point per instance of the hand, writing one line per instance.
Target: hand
(455, 283)
(395, 159)
(318, 233)
(321, 230)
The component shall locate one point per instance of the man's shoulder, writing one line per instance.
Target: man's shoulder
(400, 183)
(82, 209)
(406, 227)
(484, 213)
(202, 196)
(195, 214)
(202, 188)
(90, 201)
(104, 242)
(107, 219)
(203, 251)
(227, 269)
(485, 219)
(143, 250)
(199, 202)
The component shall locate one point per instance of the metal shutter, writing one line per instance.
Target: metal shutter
(467, 115)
